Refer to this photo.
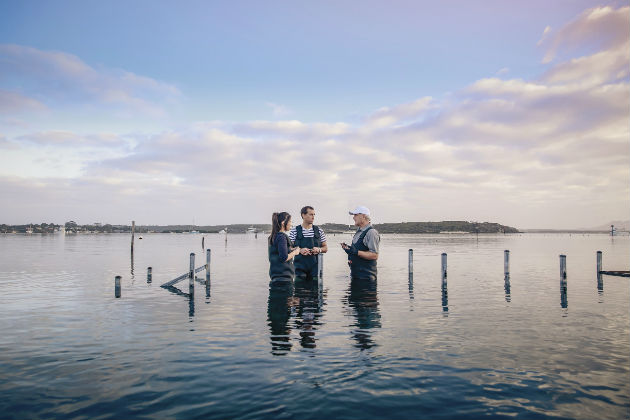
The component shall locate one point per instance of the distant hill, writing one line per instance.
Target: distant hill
(445, 226)
(404, 227)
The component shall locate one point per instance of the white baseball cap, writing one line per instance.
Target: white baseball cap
(360, 210)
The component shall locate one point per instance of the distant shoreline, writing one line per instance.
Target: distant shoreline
(420, 228)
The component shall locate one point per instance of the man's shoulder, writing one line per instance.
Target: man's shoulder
(372, 232)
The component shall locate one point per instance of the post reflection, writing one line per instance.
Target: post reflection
(444, 299)
(308, 298)
(132, 263)
(410, 286)
(361, 301)
(190, 296)
(278, 313)
(508, 294)
(564, 303)
(600, 286)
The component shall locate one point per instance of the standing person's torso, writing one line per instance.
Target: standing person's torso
(307, 238)
(279, 267)
(361, 267)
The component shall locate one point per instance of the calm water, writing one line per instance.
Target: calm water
(397, 349)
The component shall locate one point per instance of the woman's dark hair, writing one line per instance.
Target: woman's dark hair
(278, 221)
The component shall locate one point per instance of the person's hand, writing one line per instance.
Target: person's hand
(351, 250)
(305, 251)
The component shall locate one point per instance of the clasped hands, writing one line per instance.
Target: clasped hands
(313, 251)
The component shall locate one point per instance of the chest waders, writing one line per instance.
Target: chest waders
(306, 265)
(280, 270)
(361, 268)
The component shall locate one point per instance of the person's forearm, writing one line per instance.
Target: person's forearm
(293, 254)
(368, 255)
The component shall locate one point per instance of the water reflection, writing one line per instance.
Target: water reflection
(564, 303)
(445, 299)
(132, 262)
(308, 298)
(410, 286)
(190, 296)
(362, 302)
(278, 313)
(600, 286)
(508, 295)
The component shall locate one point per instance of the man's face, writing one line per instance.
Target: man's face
(358, 219)
(309, 217)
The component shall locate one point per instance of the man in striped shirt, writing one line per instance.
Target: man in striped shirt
(312, 241)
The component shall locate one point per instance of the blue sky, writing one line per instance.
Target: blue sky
(97, 93)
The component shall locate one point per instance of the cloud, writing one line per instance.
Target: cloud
(14, 102)
(62, 79)
(598, 28)
(400, 113)
(279, 110)
(504, 70)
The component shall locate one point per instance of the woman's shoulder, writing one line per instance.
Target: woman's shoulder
(281, 235)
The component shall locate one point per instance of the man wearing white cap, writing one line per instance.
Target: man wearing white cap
(363, 252)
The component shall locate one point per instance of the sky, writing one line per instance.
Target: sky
(213, 113)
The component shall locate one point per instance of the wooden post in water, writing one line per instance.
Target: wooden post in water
(506, 263)
(149, 274)
(599, 262)
(133, 232)
(191, 271)
(444, 274)
(563, 268)
(410, 261)
(117, 286)
(320, 265)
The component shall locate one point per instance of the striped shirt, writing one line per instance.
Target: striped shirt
(308, 233)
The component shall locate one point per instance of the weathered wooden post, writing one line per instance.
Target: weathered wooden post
(506, 263)
(149, 274)
(117, 286)
(320, 265)
(563, 268)
(191, 271)
(410, 261)
(599, 262)
(444, 273)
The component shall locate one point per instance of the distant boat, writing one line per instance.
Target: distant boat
(223, 231)
(29, 230)
(252, 229)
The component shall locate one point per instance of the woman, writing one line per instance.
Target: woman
(279, 248)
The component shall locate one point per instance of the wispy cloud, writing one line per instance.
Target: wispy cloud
(278, 110)
(61, 79)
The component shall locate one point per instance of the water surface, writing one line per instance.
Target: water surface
(398, 348)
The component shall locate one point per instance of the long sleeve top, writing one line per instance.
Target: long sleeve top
(282, 243)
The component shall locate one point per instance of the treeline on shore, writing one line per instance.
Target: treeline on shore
(403, 227)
